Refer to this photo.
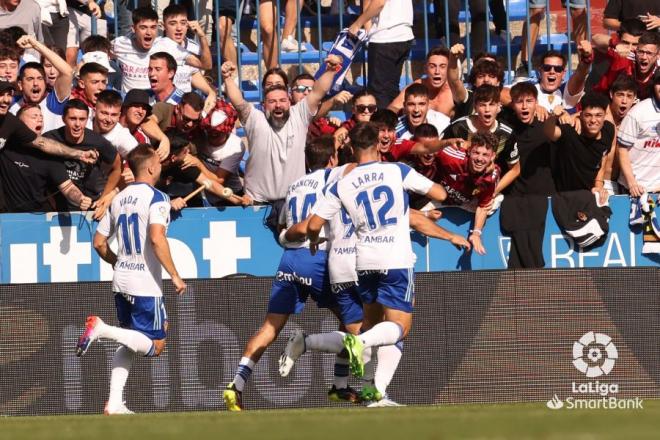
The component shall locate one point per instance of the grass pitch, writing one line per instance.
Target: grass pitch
(520, 421)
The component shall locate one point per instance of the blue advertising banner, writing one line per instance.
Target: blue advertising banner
(213, 243)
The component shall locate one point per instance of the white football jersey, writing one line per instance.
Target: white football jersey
(374, 196)
(137, 272)
(640, 133)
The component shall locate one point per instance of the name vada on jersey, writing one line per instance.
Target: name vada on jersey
(129, 200)
(367, 178)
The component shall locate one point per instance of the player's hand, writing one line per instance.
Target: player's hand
(227, 69)
(460, 242)
(435, 215)
(342, 97)
(27, 42)
(457, 50)
(85, 203)
(194, 26)
(179, 284)
(651, 21)
(101, 205)
(478, 247)
(541, 113)
(333, 63)
(178, 204)
(87, 156)
(94, 9)
(163, 150)
(313, 247)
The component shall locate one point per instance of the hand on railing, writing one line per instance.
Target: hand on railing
(94, 9)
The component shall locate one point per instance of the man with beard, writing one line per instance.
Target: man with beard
(438, 89)
(416, 111)
(32, 83)
(277, 136)
(98, 181)
(641, 68)
(580, 157)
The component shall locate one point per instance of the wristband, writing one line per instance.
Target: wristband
(475, 231)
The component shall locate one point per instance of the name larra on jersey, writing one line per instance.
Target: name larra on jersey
(368, 178)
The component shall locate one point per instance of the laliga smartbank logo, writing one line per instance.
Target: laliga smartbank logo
(594, 355)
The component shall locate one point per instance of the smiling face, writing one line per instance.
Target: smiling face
(551, 74)
(364, 107)
(436, 70)
(416, 108)
(481, 157)
(160, 77)
(487, 112)
(135, 114)
(386, 138)
(5, 101)
(176, 27)
(525, 107)
(106, 117)
(146, 32)
(622, 101)
(276, 107)
(300, 89)
(33, 86)
(74, 124)
(34, 119)
(592, 119)
(646, 57)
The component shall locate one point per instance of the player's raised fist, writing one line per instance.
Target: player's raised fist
(228, 68)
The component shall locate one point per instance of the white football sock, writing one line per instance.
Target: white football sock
(388, 361)
(243, 372)
(136, 341)
(327, 342)
(121, 365)
(368, 355)
(384, 333)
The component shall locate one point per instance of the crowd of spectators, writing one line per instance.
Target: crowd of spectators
(67, 122)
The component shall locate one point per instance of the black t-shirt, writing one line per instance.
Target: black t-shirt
(626, 9)
(176, 182)
(26, 174)
(91, 179)
(535, 161)
(578, 158)
(466, 108)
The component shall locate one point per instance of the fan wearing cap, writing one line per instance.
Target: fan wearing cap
(134, 111)
(32, 84)
(223, 151)
(638, 142)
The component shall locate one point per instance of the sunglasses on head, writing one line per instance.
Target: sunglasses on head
(366, 108)
(548, 67)
(301, 89)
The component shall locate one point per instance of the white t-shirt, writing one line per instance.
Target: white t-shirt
(394, 23)
(134, 63)
(439, 120)
(558, 97)
(51, 109)
(227, 157)
(184, 72)
(277, 157)
(137, 272)
(374, 196)
(121, 138)
(640, 133)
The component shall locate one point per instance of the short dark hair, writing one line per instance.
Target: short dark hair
(275, 87)
(649, 38)
(174, 9)
(193, 100)
(415, 89)
(303, 75)
(169, 60)
(9, 53)
(143, 14)
(318, 152)
(25, 108)
(364, 135)
(345, 155)
(438, 50)
(177, 141)
(426, 131)
(385, 117)
(524, 88)
(32, 65)
(109, 97)
(594, 100)
(275, 71)
(75, 104)
(554, 54)
(360, 93)
(624, 83)
(138, 156)
(487, 93)
(485, 66)
(632, 26)
(88, 68)
(96, 43)
(488, 140)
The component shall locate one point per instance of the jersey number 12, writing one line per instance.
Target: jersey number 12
(380, 192)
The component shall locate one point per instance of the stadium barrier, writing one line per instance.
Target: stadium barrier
(488, 336)
(213, 243)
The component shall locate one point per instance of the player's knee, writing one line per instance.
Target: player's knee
(159, 346)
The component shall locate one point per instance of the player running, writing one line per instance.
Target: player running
(138, 217)
(374, 196)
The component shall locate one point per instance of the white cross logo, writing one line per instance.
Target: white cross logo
(64, 253)
(223, 248)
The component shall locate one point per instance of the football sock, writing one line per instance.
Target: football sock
(388, 361)
(332, 342)
(134, 340)
(243, 372)
(384, 333)
(340, 380)
(368, 355)
(121, 365)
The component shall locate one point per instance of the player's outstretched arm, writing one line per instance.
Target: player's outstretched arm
(158, 238)
(437, 193)
(424, 225)
(324, 83)
(103, 249)
(313, 230)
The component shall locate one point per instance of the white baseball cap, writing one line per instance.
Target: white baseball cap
(99, 58)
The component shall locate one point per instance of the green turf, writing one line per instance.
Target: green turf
(521, 421)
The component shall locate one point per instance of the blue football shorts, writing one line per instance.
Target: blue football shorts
(393, 288)
(145, 314)
(349, 303)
